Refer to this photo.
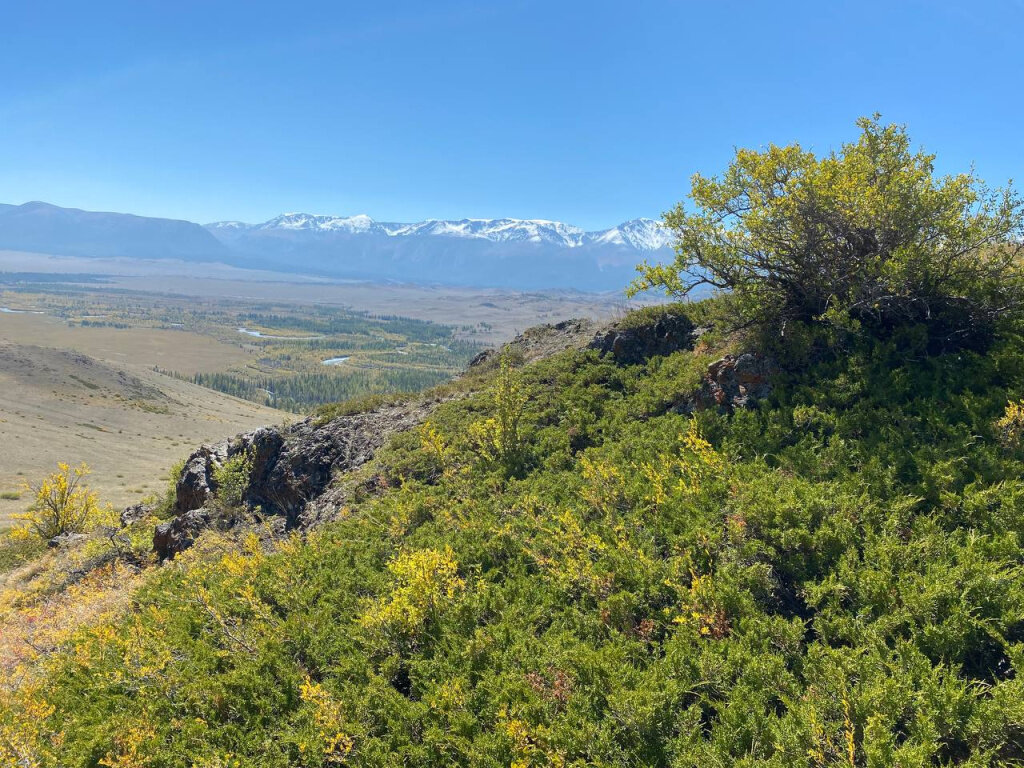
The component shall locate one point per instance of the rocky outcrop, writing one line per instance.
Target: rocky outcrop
(636, 343)
(135, 513)
(179, 534)
(539, 342)
(290, 466)
(196, 485)
(735, 381)
(664, 330)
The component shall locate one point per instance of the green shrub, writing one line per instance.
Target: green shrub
(832, 578)
(61, 503)
(865, 239)
(232, 479)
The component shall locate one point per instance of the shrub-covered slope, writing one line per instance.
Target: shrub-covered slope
(569, 568)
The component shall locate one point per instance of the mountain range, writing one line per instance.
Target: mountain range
(508, 253)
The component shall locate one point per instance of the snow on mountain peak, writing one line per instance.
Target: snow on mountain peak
(641, 234)
(638, 234)
(229, 225)
(319, 223)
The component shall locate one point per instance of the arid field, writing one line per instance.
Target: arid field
(129, 423)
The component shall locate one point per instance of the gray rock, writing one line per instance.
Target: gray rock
(290, 467)
(539, 342)
(65, 540)
(196, 485)
(179, 534)
(735, 381)
(135, 513)
(637, 344)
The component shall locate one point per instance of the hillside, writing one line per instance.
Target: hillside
(634, 551)
(127, 422)
(779, 527)
(44, 228)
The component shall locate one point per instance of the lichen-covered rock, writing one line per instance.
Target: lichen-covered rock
(196, 485)
(134, 513)
(635, 344)
(735, 381)
(539, 342)
(179, 534)
(665, 329)
(290, 466)
(65, 540)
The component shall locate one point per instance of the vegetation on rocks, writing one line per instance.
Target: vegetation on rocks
(582, 561)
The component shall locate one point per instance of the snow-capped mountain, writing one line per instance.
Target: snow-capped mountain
(512, 253)
(638, 234)
(641, 234)
(494, 230)
(311, 223)
(524, 254)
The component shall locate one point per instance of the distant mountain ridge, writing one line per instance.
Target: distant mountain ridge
(45, 228)
(642, 234)
(523, 254)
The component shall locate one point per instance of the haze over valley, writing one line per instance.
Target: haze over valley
(519, 254)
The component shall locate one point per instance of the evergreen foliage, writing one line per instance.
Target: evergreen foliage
(833, 578)
(232, 478)
(301, 390)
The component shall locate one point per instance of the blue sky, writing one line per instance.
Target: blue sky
(586, 112)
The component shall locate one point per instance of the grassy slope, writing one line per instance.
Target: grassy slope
(831, 579)
(127, 422)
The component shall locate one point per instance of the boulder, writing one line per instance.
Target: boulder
(135, 513)
(734, 381)
(196, 484)
(631, 345)
(179, 534)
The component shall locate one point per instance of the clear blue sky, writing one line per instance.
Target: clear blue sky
(587, 112)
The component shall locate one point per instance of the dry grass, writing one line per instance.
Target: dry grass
(35, 620)
(171, 350)
(129, 424)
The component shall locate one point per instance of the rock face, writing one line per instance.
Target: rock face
(735, 381)
(135, 513)
(291, 466)
(541, 341)
(196, 483)
(628, 344)
(179, 534)
(631, 345)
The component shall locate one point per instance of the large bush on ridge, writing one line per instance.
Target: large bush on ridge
(867, 238)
